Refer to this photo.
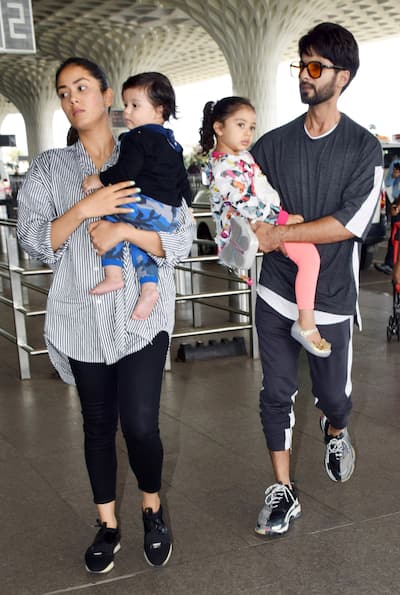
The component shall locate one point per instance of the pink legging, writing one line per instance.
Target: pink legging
(306, 256)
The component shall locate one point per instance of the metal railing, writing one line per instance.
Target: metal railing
(240, 297)
(15, 274)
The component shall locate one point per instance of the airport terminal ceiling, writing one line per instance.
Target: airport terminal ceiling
(168, 36)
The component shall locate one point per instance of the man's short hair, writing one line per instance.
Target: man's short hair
(333, 42)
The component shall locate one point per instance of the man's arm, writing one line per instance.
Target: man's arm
(326, 230)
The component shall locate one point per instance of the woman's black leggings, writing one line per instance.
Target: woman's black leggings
(129, 390)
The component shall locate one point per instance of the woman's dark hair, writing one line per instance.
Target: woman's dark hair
(218, 112)
(333, 42)
(158, 88)
(88, 65)
(72, 136)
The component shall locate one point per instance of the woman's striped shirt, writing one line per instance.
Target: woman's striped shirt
(79, 325)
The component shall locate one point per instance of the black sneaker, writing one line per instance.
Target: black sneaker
(384, 268)
(280, 508)
(340, 458)
(99, 556)
(157, 543)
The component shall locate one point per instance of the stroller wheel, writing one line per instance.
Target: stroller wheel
(388, 334)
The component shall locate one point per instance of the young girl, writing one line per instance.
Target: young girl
(152, 159)
(239, 189)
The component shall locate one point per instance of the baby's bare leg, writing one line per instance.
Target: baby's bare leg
(113, 280)
(146, 302)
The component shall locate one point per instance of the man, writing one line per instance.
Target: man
(328, 169)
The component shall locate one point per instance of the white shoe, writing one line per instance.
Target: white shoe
(321, 349)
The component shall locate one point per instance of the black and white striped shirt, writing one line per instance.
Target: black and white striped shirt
(79, 325)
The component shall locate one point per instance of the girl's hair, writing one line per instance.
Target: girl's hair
(218, 112)
(158, 88)
(91, 67)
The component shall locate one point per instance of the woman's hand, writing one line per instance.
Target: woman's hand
(108, 201)
(105, 235)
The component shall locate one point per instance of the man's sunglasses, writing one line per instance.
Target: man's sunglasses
(314, 69)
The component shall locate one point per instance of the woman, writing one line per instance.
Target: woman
(116, 363)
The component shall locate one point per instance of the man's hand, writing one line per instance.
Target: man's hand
(269, 236)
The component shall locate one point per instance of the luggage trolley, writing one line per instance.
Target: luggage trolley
(393, 327)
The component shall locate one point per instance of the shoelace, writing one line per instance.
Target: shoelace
(157, 524)
(104, 536)
(269, 494)
(102, 532)
(277, 494)
(335, 447)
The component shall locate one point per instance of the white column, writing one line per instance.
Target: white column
(6, 107)
(253, 37)
(31, 88)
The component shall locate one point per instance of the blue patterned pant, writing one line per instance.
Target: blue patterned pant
(148, 214)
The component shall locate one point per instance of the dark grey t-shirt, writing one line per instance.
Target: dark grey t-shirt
(338, 174)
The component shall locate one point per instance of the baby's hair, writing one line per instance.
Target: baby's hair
(218, 112)
(158, 88)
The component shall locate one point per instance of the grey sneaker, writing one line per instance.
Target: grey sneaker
(340, 458)
(280, 508)
(263, 516)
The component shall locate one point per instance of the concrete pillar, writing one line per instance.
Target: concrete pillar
(38, 116)
(125, 54)
(31, 88)
(253, 37)
(6, 107)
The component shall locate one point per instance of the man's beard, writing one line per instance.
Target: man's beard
(317, 97)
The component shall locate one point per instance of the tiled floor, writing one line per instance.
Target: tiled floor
(216, 468)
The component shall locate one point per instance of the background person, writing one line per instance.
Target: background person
(392, 184)
(117, 363)
(334, 180)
